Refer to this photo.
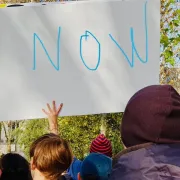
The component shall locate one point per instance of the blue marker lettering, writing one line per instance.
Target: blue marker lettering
(99, 50)
(131, 63)
(58, 51)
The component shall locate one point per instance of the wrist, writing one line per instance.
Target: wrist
(53, 122)
(53, 130)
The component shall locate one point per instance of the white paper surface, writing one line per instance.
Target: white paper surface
(24, 91)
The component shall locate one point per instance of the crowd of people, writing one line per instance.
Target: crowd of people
(150, 132)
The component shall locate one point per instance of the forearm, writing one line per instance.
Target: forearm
(53, 126)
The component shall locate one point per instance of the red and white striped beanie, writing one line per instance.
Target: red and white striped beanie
(101, 145)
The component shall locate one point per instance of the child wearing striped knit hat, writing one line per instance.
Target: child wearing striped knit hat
(101, 145)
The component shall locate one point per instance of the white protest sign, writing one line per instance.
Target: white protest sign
(91, 56)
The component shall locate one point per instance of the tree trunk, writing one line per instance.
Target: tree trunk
(103, 125)
(8, 147)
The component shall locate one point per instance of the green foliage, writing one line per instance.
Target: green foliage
(170, 37)
(79, 131)
(113, 121)
(28, 131)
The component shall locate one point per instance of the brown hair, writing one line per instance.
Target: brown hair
(41, 138)
(52, 156)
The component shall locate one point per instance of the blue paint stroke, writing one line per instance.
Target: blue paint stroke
(99, 50)
(58, 50)
(131, 63)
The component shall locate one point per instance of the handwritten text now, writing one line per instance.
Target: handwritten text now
(87, 34)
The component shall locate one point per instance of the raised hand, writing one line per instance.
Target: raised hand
(52, 114)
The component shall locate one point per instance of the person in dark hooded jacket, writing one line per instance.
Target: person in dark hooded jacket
(150, 131)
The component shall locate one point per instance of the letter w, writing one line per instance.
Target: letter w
(131, 62)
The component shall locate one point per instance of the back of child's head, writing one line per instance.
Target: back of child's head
(52, 156)
(96, 166)
(41, 138)
(14, 166)
(101, 145)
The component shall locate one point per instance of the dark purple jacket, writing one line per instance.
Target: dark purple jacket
(148, 162)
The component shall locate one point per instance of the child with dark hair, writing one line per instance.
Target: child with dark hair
(14, 167)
